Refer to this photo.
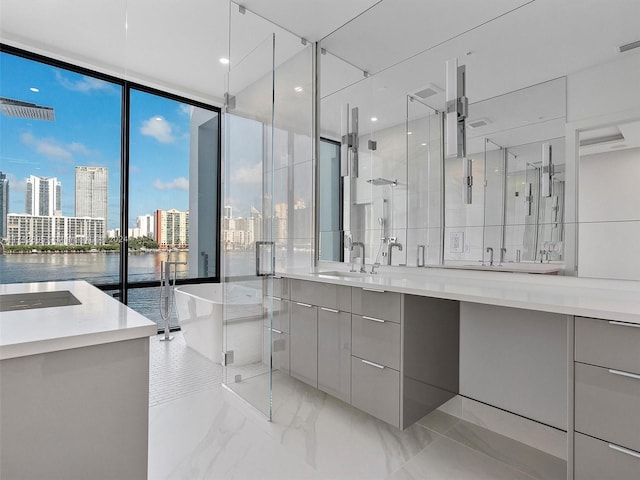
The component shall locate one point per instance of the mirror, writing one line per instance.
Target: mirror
(608, 201)
(402, 199)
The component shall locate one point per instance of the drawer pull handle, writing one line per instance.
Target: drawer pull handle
(624, 450)
(624, 324)
(276, 331)
(373, 290)
(304, 304)
(377, 365)
(329, 309)
(625, 374)
(379, 320)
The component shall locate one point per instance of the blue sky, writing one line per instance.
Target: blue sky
(86, 131)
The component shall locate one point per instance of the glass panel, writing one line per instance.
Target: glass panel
(424, 163)
(330, 195)
(173, 194)
(60, 179)
(493, 203)
(248, 221)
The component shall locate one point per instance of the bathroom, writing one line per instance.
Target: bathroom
(398, 208)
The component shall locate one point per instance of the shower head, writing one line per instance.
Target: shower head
(381, 221)
(382, 181)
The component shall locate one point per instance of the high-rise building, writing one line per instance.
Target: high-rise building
(4, 204)
(54, 230)
(228, 211)
(172, 228)
(146, 225)
(43, 196)
(92, 192)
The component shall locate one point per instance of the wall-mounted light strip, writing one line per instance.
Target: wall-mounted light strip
(349, 143)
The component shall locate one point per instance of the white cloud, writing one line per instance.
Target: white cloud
(84, 84)
(179, 183)
(249, 175)
(46, 146)
(158, 128)
(185, 109)
(79, 148)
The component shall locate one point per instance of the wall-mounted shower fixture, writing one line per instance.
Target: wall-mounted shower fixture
(457, 110)
(382, 181)
(546, 172)
(528, 198)
(349, 144)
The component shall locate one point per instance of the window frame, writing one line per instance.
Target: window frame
(123, 284)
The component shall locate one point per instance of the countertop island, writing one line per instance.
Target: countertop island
(74, 383)
(98, 319)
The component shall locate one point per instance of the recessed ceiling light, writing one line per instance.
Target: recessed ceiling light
(224, 61)
(423, 144)
(374, 119)
(34, 89)
(409, 133)
(297, 89)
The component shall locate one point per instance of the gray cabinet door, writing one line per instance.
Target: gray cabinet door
(376, 390)
(378, 304)
(334, 353)
(598, 460)
(304, 343)
(376, 340)
(608, 344)
(607, 404)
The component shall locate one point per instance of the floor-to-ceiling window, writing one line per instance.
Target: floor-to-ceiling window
(91, 164)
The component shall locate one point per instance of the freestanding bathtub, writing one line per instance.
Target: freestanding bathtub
(204, 308)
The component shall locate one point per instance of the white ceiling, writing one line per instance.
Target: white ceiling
(176, 45)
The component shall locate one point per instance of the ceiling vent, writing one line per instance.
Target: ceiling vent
(480, 122)
(629, 46)
(599, 140)
(428, 91)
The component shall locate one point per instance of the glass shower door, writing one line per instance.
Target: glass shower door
(247, 233)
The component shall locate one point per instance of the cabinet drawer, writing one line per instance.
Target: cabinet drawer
(334, 353)
(376, 390)
(598, 460)
(607, 405)
(280, 313)
(608, 344)
(376, 340)
(378, 304)
(315, 293)
(279, 287)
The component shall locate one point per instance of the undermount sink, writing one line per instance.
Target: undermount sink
(26, 301)
(344, 274)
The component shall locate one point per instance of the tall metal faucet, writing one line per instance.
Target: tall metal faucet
(503, 254)
(390, 249)
(361, 245)
(490, 250)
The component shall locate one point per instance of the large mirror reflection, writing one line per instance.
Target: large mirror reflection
(401, 197)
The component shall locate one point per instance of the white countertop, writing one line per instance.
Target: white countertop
(97, 320)
(607, 299)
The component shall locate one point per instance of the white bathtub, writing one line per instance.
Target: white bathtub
(204, 308)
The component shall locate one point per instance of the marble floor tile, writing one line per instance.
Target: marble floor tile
(446, 459)
(438, 421)
(205, 436)
(533, 462)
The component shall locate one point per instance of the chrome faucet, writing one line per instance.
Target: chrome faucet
(490, 250)
(390, 249)
(373, 268)
(503, 253)
(362, 250)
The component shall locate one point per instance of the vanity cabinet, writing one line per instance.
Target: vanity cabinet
(304, 342)
(277, 331)
(320, 325)
(334, 353)
(607, 399)
(392, 355)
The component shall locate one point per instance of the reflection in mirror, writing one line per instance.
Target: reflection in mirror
(608, 202)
